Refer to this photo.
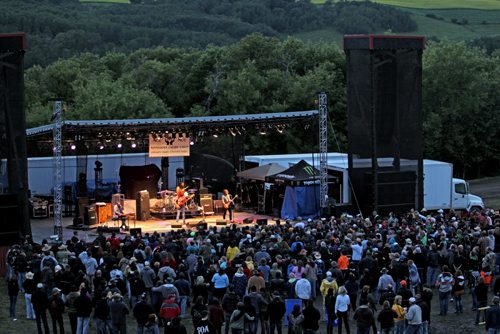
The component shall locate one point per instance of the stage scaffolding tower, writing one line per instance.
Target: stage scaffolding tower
(58, 168)
(323, 150)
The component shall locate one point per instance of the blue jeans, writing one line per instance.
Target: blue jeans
(82, 325)
(413, 329)
(493, 331)
(30, 312)
(425, 327)
(432, 274)
(400, 326)
(478, 313)
(444, 299)
(13, 302)
(183, 302)
(459, 307)
(102, 326)
(387, 330)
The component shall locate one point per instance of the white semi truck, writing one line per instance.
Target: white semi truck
(441, 189)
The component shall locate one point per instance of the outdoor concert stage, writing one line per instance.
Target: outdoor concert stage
(44, 228)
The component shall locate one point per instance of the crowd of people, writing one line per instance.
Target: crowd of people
(380, 273)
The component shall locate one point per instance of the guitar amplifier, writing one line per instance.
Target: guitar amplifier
(207, 204)
(90, 216)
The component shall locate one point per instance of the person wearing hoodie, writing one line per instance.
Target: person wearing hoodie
(278, 312)
(238, 318)
(303, 289)
(326, 284)
(444, 283)
(277, 284)
(240, 282)
(167, 289)
(386, 318)
(365, 319)
(229, 304)
(414, 318)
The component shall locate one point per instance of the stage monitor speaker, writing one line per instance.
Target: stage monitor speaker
(207, 204)
(108, 229)
(202, 226)
(220, 222)
(142, 205)
(90, 215)
(248, 220)
(176, 225)
(135, 231)
(261, 222)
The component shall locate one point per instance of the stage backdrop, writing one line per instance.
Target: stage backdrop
(170, 145)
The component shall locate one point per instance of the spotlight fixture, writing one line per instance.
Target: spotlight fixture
(215, 135)
(232, 132)
(280, 128)
(191, 143)
(157, 136)
(73, 147)
(119, 145)
(133, 145)
(100, 146)
(263, 130)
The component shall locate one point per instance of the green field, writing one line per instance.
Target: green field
(105, 1)
(437, 4)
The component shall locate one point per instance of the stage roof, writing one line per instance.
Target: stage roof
(40, 138)
(95, 126)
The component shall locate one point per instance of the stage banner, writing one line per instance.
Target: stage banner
(170, 145)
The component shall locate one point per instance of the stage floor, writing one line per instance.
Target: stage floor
(44, 228)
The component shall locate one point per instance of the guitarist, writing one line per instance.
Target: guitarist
(227, 204)
(180, 202)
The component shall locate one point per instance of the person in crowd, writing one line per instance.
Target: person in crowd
(426, 313)
(414, 318)
(83, 305)
(141, 312)
(458, 291)
(329, 309)
(365, 318)
(56, 310)
(312, 316)
(40, 303)
(399, 320)
(492, 317)
(101, 315)
(277, 313)
(13, 290)
(303, 289)
(238, 318)
(444, 283)
(71, 308)
(342, 309)
(229, 304)
(481, 291)
(216, 315)
(386, 318)
(29, 287)
(295, 320)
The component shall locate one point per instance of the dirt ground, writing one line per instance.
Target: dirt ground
(489, 189)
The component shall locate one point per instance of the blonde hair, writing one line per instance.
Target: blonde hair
(342, 290)
(398, 299)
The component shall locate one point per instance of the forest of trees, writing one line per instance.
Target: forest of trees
(258, 74)
(64, 28)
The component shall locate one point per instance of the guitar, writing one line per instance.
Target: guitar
(227, 204)
(182, 200)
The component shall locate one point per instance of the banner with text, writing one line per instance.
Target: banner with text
(169, 145)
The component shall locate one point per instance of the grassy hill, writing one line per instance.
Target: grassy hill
(443, 19)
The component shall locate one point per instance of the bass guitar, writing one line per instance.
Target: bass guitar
(181, 201)
(229, 203)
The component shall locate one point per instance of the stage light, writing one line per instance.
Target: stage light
(73, 146)
(129, 136)
(119, 145)
(232, 132)
(280, 128)
(133, 145)
(263, 130)
(157, 136)
(100, 146)
(215, 135)
(191, 143)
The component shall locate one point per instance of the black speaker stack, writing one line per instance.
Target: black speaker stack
(384, 95)
(142, 206)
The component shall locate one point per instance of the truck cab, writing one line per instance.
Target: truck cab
(462, 199)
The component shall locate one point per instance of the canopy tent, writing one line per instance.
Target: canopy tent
(302, 191)
(260, 173)
(300, 174)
